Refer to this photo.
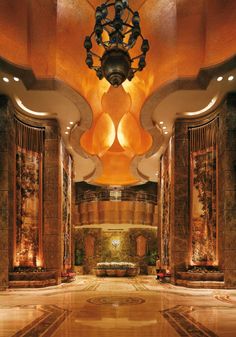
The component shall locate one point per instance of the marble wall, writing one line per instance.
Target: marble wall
(6, 189)
(227, 190)
(52, 241)
(179, 242)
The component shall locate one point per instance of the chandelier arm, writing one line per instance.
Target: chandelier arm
(128, 25)
(128, 31)
(130, 10)
(95, 68)
(91, 35)
(134, 70)
(108, 20)
(130, 46)
(107, 24)
(104, 45)
(110, 4)
(137, 57)
(96, 55)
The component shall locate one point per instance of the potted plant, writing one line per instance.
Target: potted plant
(152, 263)
(79, 257)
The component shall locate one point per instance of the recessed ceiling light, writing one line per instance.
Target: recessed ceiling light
(164, 127)
(5, 79)
(16, 79)
(71, 123)
(219, 79)
(230, 78)
(161, 122)
(166, 132)
(67, 133)
(68, 128)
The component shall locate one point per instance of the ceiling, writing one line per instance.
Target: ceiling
(115, 135)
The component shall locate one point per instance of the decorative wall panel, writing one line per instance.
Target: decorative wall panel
(203, 195)
(28, 197)
(66, 206)
(89, 246)
(141, 243)
(166, 206)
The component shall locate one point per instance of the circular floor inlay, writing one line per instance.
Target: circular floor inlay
(116, 300)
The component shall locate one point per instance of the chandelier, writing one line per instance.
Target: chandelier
(116, 30)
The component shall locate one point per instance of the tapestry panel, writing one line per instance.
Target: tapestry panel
(165, 206)
(28, 207)
(66, 207)
(203, 213)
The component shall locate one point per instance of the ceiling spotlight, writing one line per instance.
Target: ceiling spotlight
(67, 133)
(219, 79)
(161, 122)
(16, 79)
(116, 30)
(164, 127)
(71, 123)
(230, 78)
(68, 128)
(166, 132)
(5, 79)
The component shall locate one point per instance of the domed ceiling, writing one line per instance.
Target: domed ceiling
(116, 135)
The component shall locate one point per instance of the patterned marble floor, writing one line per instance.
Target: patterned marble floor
(118, 307)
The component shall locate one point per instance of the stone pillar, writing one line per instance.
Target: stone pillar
(52, 234)
(6, 187)
(180, 200)
(227, 189)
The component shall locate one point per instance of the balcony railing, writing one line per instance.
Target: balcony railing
(116, 195)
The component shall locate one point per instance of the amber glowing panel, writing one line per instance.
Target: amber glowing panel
(116, 137)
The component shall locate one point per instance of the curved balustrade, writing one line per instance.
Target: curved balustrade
(115, 195)
(120, 212)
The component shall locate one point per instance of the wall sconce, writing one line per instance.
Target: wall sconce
(115, 243)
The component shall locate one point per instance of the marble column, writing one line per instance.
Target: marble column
(52, 234)
(6, 187)
(227, 190)
(180, 201)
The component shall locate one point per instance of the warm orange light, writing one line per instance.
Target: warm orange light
(116, 137)
(39, 262)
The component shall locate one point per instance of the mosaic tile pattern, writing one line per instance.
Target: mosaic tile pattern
(226, 299)
(180, 319)
(116, 300)
(48, 318)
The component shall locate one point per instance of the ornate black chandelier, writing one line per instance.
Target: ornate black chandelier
(117, 36)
